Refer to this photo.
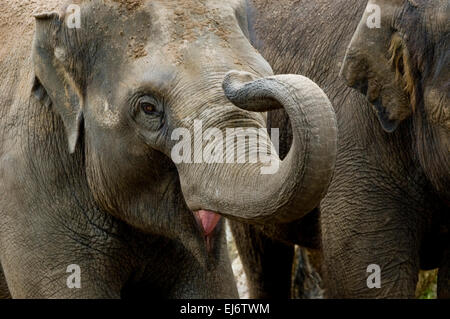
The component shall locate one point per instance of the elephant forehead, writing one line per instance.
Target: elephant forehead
(183, 22)
(192, 34)
(162, 26)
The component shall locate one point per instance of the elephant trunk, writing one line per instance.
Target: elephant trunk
(247, 194)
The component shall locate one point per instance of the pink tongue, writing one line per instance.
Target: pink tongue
(207, 220)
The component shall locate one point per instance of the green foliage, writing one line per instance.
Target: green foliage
(427, 285)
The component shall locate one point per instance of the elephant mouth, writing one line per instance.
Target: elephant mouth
(207, 222)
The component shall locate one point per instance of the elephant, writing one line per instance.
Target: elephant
(94, 98)
(386, 213)
(404, 71)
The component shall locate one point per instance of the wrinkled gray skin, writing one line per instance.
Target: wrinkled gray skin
(86, 117)
(388, 200)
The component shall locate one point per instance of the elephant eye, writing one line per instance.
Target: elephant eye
(148, 105)
(148, 108)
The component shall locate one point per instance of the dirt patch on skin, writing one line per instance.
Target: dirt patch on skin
(129, 4)
(16, 17)
(136, 49)
(16, 32)
(192, 19)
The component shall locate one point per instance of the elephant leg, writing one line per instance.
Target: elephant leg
(267, 263)
(443, 284)
(62, 269)
(370, 244)
(4, 291)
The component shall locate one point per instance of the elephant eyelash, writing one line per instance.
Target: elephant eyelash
(135, 102)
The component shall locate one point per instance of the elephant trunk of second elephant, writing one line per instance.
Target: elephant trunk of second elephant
(243, 191)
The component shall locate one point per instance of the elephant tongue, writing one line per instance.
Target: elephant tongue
(207, 221)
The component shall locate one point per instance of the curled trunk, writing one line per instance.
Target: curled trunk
(240, 191)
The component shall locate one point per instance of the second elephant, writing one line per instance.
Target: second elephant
(388, 201)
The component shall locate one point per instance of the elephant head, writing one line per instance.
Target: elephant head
(133, 73)
(399, 58)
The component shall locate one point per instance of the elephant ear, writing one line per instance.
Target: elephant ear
(54, 82)
(400, 61)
